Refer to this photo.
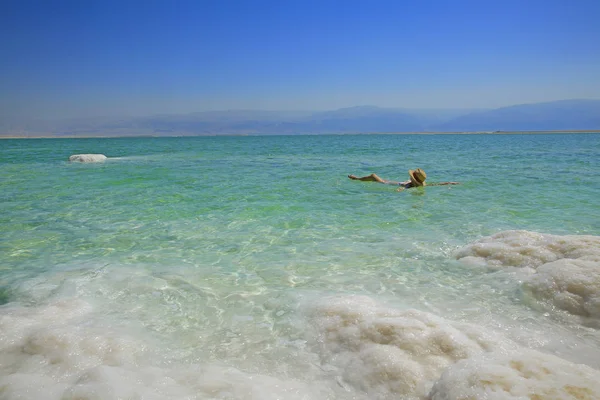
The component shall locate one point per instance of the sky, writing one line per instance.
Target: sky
(82, 58)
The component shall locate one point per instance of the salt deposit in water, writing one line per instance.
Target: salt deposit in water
(52, 352)
(565, 269)
(388, 352)
(87, 158)
(61, 350)
(526, 374)
(529, 249)
(571, 285)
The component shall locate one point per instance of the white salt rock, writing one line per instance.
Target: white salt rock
(52, 352)
(572, 285)
(526, 374)
(390, 353)
(566, 268)
(87, 158)
(529, 249)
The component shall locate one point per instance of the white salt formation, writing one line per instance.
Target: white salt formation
(566, 269)
(66, 350)
(529, 249)
(527, 374)
(88, 158)
(390, 353)
(572, 285)
(51, 352)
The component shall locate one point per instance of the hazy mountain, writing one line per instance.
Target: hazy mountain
(557, 115)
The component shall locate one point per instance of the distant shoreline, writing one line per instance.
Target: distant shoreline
(301, 134)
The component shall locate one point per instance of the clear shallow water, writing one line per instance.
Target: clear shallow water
(209, 251)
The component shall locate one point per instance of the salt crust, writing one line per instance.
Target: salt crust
(529, 249)
(376, 352)
(571, 285)
(523, 375)
(88, 158)
(387, 352)
(50, 353)
(566, 269)
(407, 354)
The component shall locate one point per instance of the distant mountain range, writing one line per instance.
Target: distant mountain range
(579, 115)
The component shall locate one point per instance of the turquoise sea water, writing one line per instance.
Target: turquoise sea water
(210, 250)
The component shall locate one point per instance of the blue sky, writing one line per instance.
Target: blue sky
(87, 58)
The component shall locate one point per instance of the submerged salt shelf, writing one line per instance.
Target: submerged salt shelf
(120, 332)
(351, 347)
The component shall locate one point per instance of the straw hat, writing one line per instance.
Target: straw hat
(417, 176)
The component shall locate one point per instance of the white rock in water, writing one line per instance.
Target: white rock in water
(87, 158)
(527, 374)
